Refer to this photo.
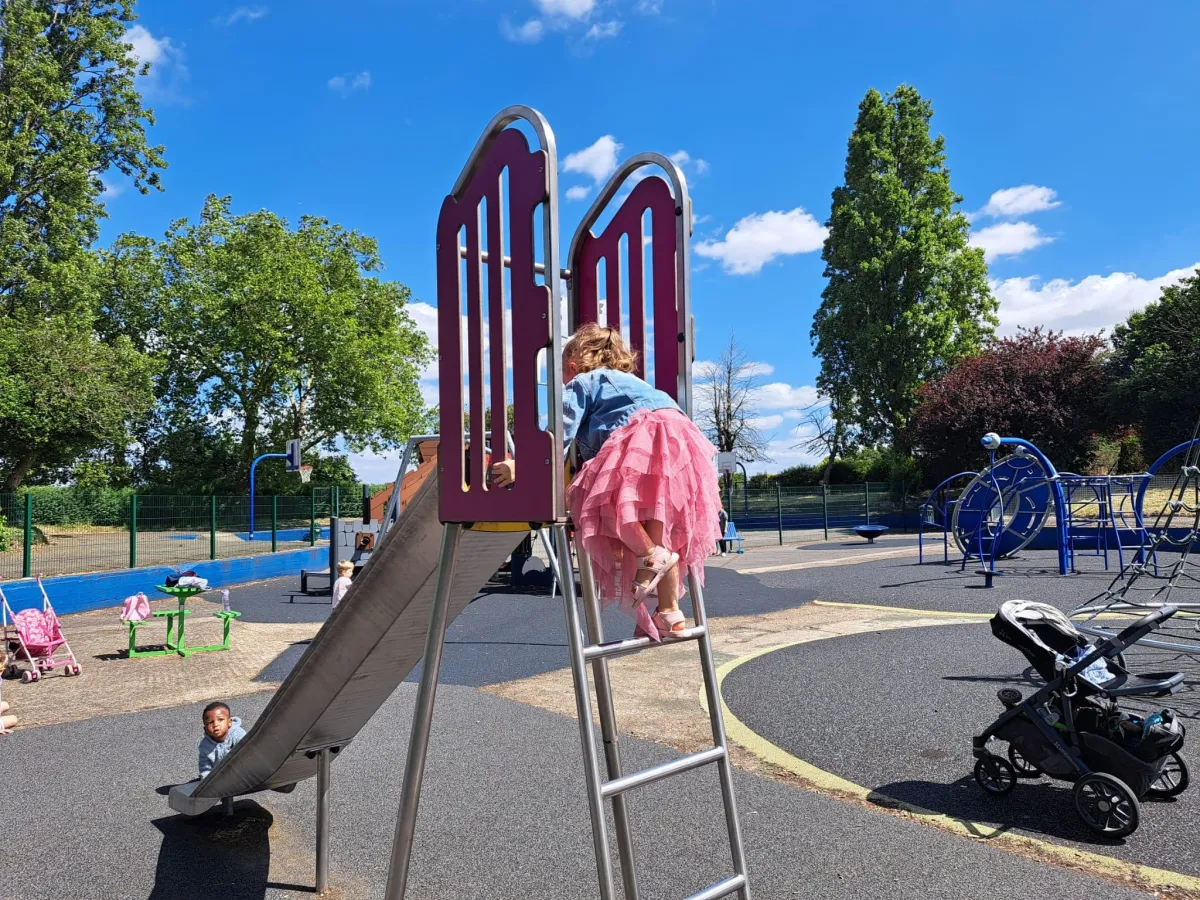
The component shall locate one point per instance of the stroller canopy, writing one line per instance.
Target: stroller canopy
(1039, 631)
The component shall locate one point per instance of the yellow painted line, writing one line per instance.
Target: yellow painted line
(908, 610)
(833, 561)
(1093, 863)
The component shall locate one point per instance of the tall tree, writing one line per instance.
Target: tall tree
(269, 333)
(69, 111)
(1154, 364)
(727, 392)
(1037, 385)
(907, 297)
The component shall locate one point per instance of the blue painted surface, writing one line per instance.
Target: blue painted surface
(78, 593)
(284, 534)
(182, 537)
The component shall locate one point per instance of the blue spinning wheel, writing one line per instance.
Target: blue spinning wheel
(1003, 508)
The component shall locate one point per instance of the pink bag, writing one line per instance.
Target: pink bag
(135, 608)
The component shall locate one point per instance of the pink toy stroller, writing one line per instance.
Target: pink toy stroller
(35, 637)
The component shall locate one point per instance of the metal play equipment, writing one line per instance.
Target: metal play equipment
(499, 330)
(1166, 573)
(1001, 510)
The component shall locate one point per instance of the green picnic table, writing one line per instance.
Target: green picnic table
(176, 642)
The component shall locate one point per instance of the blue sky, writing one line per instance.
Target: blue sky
(1071, 132)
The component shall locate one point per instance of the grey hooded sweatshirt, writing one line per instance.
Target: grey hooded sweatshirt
(212, 753)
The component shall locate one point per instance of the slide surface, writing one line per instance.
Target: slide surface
(367, 647)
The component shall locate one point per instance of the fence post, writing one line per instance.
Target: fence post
(825, 507)
(312, 519)
(779, 509)
(867, 500)
(336, 505)
(27, 549)
(133, 531)
(212, 529)
(274, 522)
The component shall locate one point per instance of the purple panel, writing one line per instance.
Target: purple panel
(652, 194)
(471, 498)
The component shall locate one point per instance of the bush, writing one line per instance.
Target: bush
(79, 506)
(5, 537)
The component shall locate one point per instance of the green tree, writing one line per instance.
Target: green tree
(907, 297)
(69, 111)
(268, 333)
(1156, 355)
(64, 394)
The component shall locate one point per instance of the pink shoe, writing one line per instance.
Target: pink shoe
(658, 562)
(658, 626)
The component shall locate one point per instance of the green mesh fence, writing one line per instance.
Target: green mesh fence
(74, 531)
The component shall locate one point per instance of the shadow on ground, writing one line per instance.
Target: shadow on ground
(217, 855)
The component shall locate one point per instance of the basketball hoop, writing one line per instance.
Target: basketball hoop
(305, 473)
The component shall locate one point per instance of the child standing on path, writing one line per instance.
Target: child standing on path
(646, 499)
(345, 569)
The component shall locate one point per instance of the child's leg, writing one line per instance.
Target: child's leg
(668, 587)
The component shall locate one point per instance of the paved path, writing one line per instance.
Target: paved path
(895, 711)
(503, 816)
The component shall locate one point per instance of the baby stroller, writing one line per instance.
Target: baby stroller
(1072, 728)
(35, 637)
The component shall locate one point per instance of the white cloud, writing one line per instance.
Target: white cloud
(597, 161)
(603, 30)
(241, 14)
(780, 395)
(767, 423)
(760, 237)
(375, 468)
(350, 82)
(681, 157)
(112, 190)
(167, 69)
(1008, 239)
(650, 7)
(706, 368)
(529, 33)
(1020, 201)
(1087, 305)
(702, 167)
(578, 192)
(570, 9)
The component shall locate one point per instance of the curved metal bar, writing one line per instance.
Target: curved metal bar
(1060, 522)
(945, 524)
(1185, 447)
(683, 249)
(500, 121)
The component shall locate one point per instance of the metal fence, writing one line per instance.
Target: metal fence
(56, 533)
(779, 514)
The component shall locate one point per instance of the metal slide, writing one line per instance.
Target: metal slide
(367, 647)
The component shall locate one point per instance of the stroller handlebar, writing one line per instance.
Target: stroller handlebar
(1145, 624)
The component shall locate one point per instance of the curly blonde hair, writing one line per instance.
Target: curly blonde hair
(595, 346)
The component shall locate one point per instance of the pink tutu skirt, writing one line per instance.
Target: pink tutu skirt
(657, 467)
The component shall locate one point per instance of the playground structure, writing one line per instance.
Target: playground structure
(499, 327)
(1149, 583)
(1009, 504)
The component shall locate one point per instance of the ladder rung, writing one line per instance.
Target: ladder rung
(633, 645)
(664, 770)
(721, 888)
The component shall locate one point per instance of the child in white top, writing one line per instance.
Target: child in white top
(345, 569)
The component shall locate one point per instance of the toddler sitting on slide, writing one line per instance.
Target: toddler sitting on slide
(222, 732)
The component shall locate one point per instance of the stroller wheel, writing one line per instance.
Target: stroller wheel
(28, 677)
(1172, 780)
(76, 669)
(1024, 767)
(995, 774)
(1106, 805)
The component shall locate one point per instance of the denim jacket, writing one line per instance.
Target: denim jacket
(597, 403)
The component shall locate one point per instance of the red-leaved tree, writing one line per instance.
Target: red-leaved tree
(1037, 385)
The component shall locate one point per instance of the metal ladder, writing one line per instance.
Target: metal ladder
(595, 650)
